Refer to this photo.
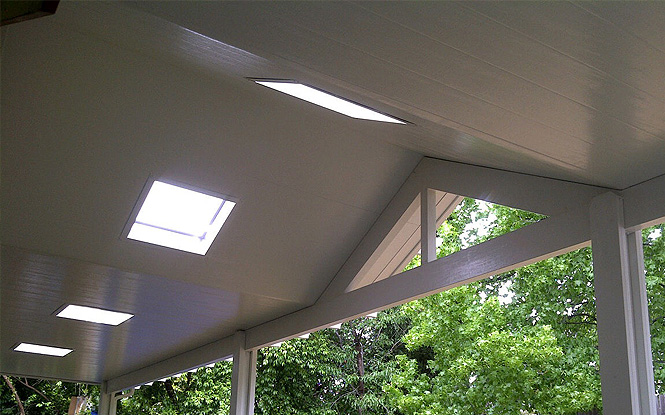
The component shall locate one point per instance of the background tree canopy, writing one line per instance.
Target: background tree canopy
(520, 342)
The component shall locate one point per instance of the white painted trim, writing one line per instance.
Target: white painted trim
(402, 243)
(550, 237)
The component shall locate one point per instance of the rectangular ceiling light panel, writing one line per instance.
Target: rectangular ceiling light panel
(180, 218)
(94, 315)
(39, 349)
(329, 101)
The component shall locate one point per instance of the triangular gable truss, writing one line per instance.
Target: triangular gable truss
(546, 196)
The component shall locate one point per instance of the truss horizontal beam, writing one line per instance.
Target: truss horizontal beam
(550, 237)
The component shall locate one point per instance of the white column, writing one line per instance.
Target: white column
(104, 401)
(623, 327)
(427, 225)
(243, 378)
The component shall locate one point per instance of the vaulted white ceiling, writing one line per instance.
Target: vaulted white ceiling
(102, 97)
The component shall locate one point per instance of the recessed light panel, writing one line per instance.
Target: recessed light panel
(329, 101)
(180, 218)
(39, 349)
(94, 315)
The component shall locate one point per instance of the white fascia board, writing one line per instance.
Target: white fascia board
(644, 204)
(216, 351)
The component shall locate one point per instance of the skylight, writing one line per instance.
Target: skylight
(326, 100)
(39, 349)
(180, 218)
(94, 315)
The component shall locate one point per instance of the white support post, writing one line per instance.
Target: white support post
(104, 400)
(427, 225)
(243, 378)
(108, 401)
(623, 328)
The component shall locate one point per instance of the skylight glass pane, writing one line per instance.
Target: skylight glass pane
(326, 100)
(39, 349)
(94, 315)
(180, 218)
(177, 209)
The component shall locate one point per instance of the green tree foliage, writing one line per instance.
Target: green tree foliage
(481, 365)
(206, 392)
(296, 377)
(38, 396)
(520, 342)
(334, 371)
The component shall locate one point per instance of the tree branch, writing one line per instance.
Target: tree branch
(16, 397)
(40, 393)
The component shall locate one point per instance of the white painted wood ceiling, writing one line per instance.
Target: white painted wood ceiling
(102, 96)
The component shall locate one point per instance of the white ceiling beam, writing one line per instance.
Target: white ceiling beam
(550, 237)
(644, 204)
(210, 353)
(518, 190)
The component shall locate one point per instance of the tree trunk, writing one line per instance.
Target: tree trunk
(357, 342)
(16, 397)
(170, 392)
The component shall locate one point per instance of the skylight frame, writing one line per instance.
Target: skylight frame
(41, 349)
(184, 242)
(348, 107)
(94, 314)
